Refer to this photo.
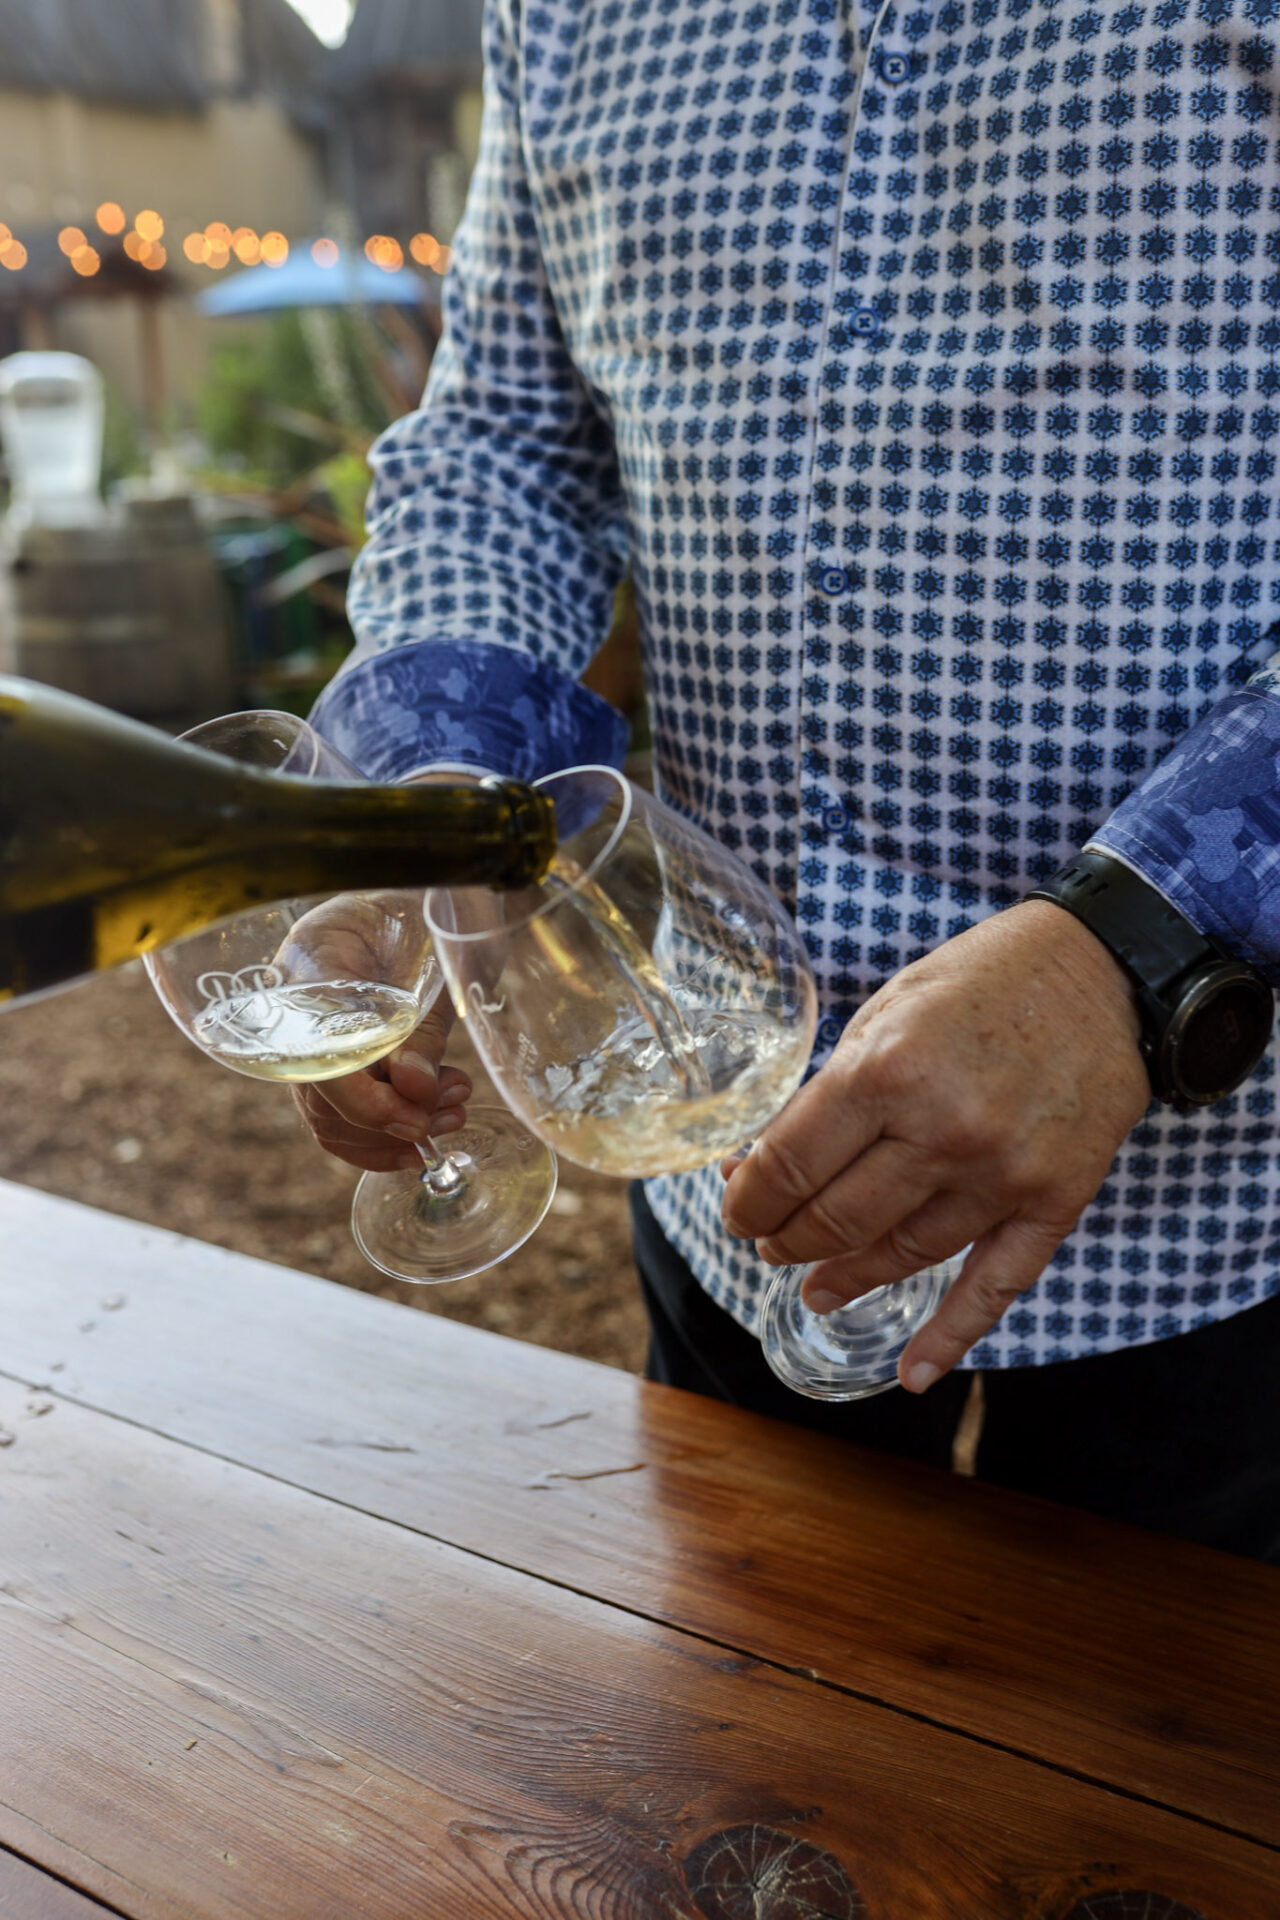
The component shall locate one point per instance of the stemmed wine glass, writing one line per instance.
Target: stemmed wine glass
(308, 990)
(852, 1352)
(647, 1008)
(648, 1005)
(642, 1009)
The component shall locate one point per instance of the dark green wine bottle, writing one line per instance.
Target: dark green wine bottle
(115, 839)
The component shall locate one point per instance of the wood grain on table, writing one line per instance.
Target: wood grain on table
(1121, 1656)
(314, 1606)
(243, 1698)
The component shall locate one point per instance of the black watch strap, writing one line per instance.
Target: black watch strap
(1205, 1017)
(1146, 934)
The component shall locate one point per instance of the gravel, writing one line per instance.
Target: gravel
(106, 1102)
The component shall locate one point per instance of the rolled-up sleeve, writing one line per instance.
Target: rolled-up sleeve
(1204, 827)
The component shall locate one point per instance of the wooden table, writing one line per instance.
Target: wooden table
(312, 1606)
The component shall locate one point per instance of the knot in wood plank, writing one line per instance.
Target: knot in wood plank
(754, 1872)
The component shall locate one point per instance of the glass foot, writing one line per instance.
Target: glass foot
(433, 1226)
(854, 1352)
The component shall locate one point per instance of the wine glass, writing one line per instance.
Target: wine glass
(647, 1008)
(648, 1005)
(852, 1352)
(308, 990)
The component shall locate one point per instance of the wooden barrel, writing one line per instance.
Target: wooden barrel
(131, 613)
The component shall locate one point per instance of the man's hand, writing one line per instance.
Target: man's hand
(370, 1119)
(978, 1099)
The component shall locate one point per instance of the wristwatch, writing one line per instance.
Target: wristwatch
(1206, 1018)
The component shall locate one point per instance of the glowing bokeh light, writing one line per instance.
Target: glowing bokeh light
(275, 249)
(384, 252)
(150, 225)
(326, 253)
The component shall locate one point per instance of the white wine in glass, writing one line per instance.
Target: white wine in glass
(309, 990)
(649, 1005)
(298, 990)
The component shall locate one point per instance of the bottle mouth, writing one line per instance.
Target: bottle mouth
(587, 793)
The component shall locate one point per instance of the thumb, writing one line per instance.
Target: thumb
(1000, 1266)
(414, 1068)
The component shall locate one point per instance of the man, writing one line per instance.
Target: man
(922, 364)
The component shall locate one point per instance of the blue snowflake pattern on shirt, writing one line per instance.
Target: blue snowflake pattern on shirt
(926, 365)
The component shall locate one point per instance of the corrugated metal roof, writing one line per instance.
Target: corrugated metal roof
(145, 53)
(407, 38)
(285, 58)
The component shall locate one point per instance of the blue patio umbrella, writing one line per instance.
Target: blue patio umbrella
(303, 282)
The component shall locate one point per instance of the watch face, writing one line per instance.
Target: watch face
(1219, 1033)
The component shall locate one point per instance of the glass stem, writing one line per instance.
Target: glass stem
(441, 1176)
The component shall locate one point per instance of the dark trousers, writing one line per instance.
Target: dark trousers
(1182, 1436)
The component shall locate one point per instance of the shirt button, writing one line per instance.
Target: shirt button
(834, 817)
(894, 68)
(866, 320)
(833, 581)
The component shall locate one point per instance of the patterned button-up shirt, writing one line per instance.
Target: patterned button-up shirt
(924, 365)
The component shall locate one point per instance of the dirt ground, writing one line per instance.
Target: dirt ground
(103, 1100)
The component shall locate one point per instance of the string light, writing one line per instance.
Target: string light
(384, 252)
(216, 245)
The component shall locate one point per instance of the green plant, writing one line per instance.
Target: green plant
(281, 386)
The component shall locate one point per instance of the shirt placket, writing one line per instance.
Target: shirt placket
(830, 840)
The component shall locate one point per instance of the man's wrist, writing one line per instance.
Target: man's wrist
(1090, 962)
(1205, 1018)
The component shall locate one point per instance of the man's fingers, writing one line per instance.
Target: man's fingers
(365, 1101)
(1001, 1266)
(936, 1232)
(370, 1148)
(885, 1185)
(817, 1134)
(414, 1068)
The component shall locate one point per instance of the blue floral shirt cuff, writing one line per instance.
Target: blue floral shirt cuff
(468, 702)
(1205, 826)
